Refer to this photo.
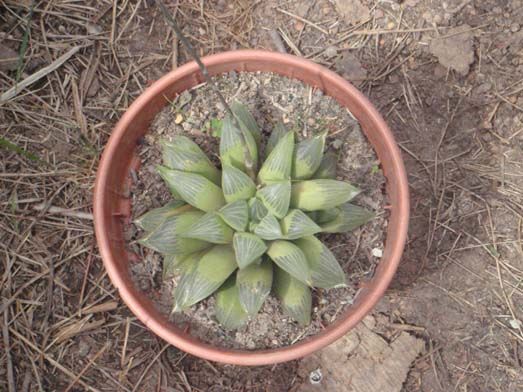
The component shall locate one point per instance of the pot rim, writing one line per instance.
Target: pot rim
(242, 61)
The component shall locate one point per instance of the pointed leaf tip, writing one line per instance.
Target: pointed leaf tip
(308, 156)
(229, 311)
(207, 275)
(290, 258)
(254, 283)
(248, 248)
(269, 228)
(296, 225)
(236, 214)
(210, 228)
(185, 155)
(278, 165)
(276, 197)
(236, 184)
(155, 217)
(195, 189)
(348, 218)
(295, 297)
(312, 195)
(326, 272)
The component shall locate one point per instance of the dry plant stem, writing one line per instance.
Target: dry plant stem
(13, 91)
(249, 165)
(9, 359)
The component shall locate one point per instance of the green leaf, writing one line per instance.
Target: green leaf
(327, 169)
(278, 165)
(179, 156)
(257, 210)
(248, 248)
(269, 228)
(290, 258)
(307, 157)
(296, 298)
(245, 118)
(277, 133)
(348, 218)
(236, 184)
(207, 275)
(229, 311)
(315, 195)
(325, 216)
(232, 148)
(210, 228)
(236, 214)
(254, 283)
(173, 264)
(325, 269)
(154, 218)
(296, 225)
(167, 239)
(276, 197)
(195, 189)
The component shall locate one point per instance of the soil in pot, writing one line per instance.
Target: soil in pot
(307, 111)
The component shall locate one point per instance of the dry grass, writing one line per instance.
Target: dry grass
(63, 325)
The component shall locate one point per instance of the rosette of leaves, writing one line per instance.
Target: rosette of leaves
(250, 228)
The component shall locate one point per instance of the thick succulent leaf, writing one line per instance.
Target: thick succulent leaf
(167, 238)
(229, 311)
(278, 165)
(277, 133)
(325, 269)
(276, 197)
(206, 276)
(245, 118)
(254, 283)
(315, 195)
(210, 228)
(257, 209)
(195, 189)
(290, 258)
(236, 185)
(176, 155)
(307, 157)
(248, 248)
(327, 169)
(325, 216)
(295, 297)
(348, 218)
(232, 148)
(175, 264)
(236, 214)
(269, 228)
(296, 225)
(154, 218)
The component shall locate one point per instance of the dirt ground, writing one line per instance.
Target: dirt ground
(448, 78)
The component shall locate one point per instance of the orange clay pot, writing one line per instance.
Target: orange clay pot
(112, 205)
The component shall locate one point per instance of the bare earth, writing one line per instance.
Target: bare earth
(448, 78)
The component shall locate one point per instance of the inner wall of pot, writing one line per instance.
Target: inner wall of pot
(137, 126)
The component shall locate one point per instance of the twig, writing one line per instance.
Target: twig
(13, 91)
(91, 361)
(63, 211)
(149, 367)
(53, 362)
(314, 25)
(5, 332)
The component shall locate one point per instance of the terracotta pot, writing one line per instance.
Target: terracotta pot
(112, 205)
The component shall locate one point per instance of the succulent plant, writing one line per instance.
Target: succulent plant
(241, 233)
